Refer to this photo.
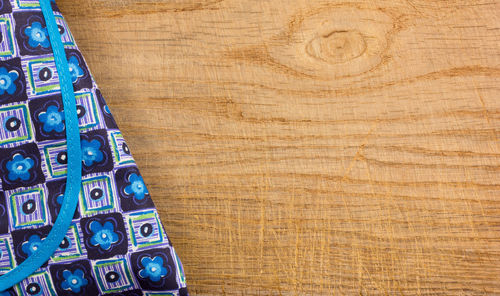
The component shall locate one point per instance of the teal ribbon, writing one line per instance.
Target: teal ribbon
(74, 175)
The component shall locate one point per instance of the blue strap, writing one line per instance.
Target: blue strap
(74, 175)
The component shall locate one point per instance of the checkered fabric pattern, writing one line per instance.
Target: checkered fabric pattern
(116, 244)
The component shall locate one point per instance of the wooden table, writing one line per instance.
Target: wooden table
(308, 147)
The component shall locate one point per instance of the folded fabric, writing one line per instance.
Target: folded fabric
(75, 215)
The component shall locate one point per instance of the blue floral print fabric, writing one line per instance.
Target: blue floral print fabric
(116, 244)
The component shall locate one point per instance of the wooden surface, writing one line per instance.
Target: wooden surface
(301, 147)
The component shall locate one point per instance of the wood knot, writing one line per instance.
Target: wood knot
(337, 46)
(334, 43)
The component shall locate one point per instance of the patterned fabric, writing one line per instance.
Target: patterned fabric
(116, 244)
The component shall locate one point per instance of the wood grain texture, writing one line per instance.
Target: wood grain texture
(311, 147)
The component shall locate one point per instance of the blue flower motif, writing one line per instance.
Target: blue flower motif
(37, 35)
(32, 245)
(91, 152)
(136, 187)
(73, 281)
(52, 119)
(19, 167)
(7, 81)
(74, 69)
(104, 235)
(153, 268)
